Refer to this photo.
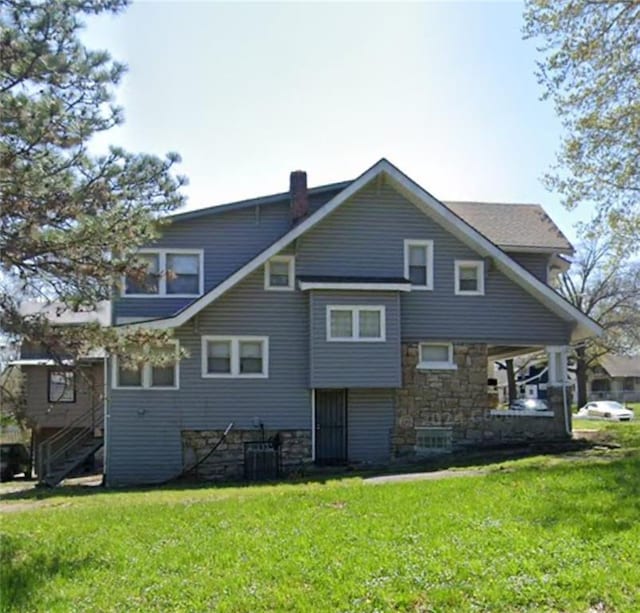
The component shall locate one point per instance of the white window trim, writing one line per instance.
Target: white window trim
(288, 259)
(428, 244)
(449, 365)
(235, 357)
(479, 266)
(146, 375)
(355, 323)
(162, 268)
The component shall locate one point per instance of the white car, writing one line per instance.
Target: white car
(605, 409)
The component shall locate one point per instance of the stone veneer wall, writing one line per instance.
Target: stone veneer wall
(227, 461)
(459, 399)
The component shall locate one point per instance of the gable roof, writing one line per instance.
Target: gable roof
(328, 191)
(524, 226)
(621, 366)
(422, 199)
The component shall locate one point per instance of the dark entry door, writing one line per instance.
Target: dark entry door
(331, 426)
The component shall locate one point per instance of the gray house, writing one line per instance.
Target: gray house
(616, 377)
(354, 322)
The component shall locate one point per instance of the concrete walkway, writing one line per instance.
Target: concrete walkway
(435, 475)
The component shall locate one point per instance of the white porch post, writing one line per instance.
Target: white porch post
(558, 377)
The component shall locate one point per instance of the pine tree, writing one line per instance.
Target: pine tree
(70, 220)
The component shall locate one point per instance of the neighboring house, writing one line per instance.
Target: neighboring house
(64, 400)
(355, 321)
(615, 378)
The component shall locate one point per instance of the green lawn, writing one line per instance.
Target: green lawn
(539, 534)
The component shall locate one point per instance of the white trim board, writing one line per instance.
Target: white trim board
(432, 207)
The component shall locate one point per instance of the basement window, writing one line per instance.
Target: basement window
(433, 440)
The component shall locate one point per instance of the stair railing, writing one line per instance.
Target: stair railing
(54, 447)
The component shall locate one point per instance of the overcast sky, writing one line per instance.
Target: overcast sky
(248, 92)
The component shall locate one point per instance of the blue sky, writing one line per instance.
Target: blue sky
(248, 92)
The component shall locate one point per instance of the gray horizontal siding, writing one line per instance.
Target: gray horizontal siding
(366, 237)
(145, 425)
(536, 263)
(229, 241)
(370, 416)
(355, 364)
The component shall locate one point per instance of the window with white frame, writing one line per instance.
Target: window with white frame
(469, 277)
(235, 356)
(62, 386)
(162, 374)
(436, 356)
(418, 263)
(170, 272)
(356, 323)
(279, 273)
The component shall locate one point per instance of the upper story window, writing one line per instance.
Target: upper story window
(418, 263)
(62, 386)
(356, 323)
(436, 356)
(170, 272)
(235, 357)
(469, 277)
(149, 376)
(279, 273)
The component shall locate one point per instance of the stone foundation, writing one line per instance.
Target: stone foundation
(227, 461)
(459, 399)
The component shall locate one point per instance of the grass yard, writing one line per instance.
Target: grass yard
(539, 534)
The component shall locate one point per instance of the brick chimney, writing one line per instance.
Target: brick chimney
(299, 197)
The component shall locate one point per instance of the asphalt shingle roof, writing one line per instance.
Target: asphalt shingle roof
(621, 366)
(513, 225)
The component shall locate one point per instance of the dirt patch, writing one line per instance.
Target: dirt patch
(435, 475)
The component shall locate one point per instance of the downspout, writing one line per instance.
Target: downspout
(567, 420)
(105, 421)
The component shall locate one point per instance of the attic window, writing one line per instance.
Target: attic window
(469, 278)
(279, 273)
(418, 263)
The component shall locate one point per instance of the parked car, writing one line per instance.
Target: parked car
(14, 459)
(529, 404)
(605, 409)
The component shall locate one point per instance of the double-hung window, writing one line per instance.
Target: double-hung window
(469, 277)
(163, 374)
(169, 272)
(62, 386)
(418, 263)
(279, 273)
(235, 356)
(355, 323)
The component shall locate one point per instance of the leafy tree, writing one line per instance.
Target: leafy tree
(591, 71)
(606, 289)
(70, 220)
